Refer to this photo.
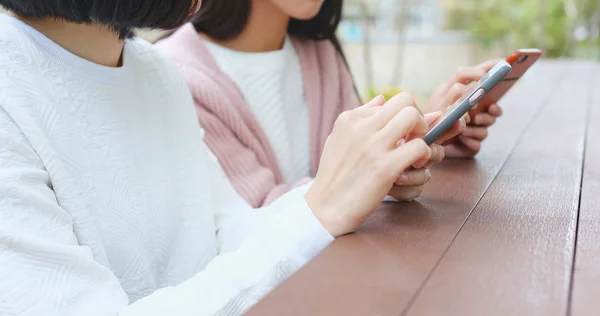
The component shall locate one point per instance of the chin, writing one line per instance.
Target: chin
(307, 14)
(306, 10)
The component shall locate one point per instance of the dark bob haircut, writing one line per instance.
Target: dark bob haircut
(121, 15)
(226, 19)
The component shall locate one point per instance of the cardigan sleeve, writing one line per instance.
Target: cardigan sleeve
(348, 94)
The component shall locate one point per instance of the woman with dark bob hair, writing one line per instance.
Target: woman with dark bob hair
(110, 202)
(269, 78)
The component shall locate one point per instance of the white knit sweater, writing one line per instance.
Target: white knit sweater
(271, 83)
(108, 194)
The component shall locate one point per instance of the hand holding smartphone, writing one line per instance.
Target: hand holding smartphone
(518, 63)
(486, 84)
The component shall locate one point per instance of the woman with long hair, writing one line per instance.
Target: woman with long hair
(269, 78)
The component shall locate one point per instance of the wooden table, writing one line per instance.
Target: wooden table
(514, 232)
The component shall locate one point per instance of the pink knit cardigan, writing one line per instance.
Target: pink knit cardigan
(232, 132)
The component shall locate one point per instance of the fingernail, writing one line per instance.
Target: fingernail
(380, 98)
(463, 124)
(428, 174)
(400, 142)
(403, 178)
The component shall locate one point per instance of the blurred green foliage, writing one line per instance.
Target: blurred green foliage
(546, 24)
(387, 92)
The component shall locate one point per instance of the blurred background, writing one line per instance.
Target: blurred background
(415, 45)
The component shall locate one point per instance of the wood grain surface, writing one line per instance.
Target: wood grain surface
(586, 286)
(433, 257)
(514, 255)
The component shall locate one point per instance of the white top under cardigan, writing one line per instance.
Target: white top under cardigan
(272, 86)
(110, 203)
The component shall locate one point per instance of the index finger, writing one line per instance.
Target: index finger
(488, 65)
(392, 107)
(467, 75)
(409, 121)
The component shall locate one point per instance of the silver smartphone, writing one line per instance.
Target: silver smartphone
(489, 81)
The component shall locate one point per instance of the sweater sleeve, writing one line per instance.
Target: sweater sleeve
(258, 249)
(45, 271)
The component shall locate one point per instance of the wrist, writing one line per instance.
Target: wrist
(324, 212)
